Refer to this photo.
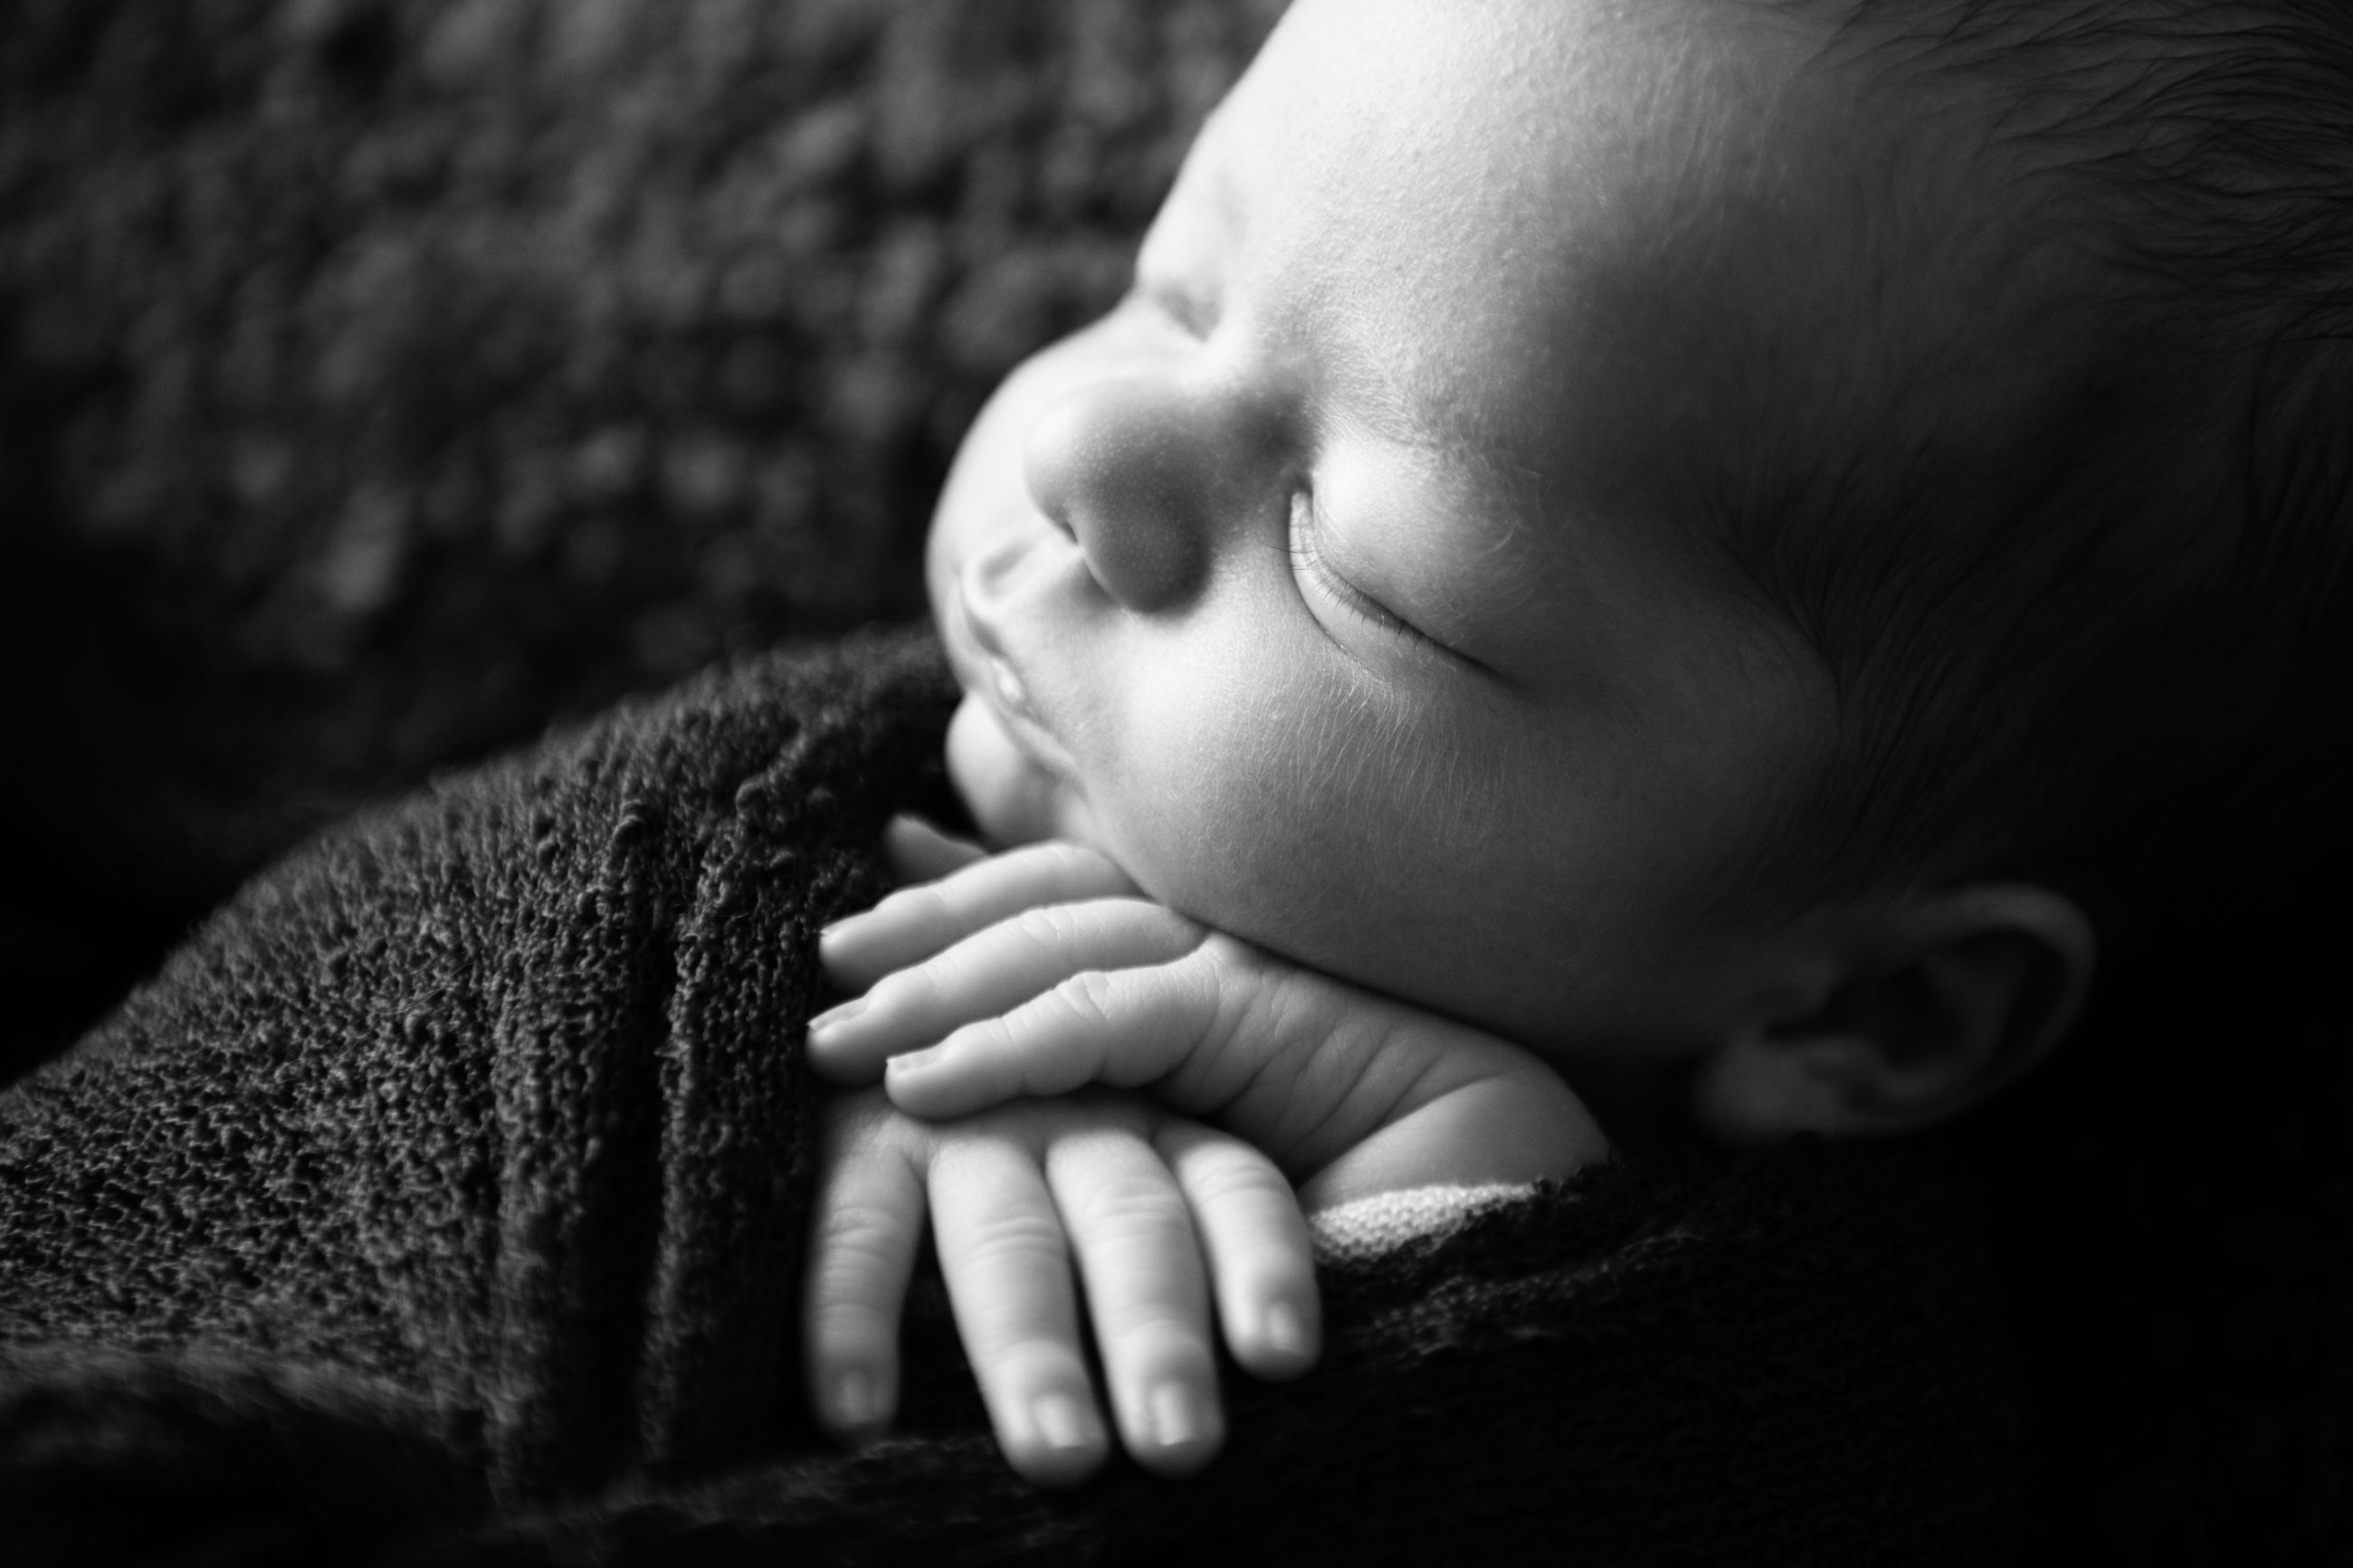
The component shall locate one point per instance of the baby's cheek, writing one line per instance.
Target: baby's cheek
(1246, 823)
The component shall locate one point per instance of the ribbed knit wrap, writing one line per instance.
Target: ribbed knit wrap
(444, 1193)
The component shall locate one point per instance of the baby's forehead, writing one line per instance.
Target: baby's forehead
(1577, 182)
(1535, 126)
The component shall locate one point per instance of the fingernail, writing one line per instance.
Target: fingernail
(856, 1400)
(834, 1017)
(913, 1061)
(833, 932)
(1061, 1422)
(1175, 1416)
(1286, 1331)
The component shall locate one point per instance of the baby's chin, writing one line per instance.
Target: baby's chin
(1012, 797)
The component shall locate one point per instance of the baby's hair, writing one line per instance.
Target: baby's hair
(2096, 628)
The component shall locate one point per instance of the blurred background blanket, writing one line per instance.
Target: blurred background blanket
(382, 381)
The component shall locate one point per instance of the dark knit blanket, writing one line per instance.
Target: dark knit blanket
(442, 1199)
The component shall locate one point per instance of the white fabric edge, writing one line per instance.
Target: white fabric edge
(1365, 1228)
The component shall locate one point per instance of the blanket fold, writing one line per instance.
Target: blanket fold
(443, 1196)
(494, 1095)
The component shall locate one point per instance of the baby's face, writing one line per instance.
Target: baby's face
(1327, 585)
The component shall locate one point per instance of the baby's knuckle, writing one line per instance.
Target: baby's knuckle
(905, 988)
(1235, 1180)
(1181, 934)
(986, 1039)
(923, 905)
(1232, 959)
(1291, 995)
(861, 1231)
(1162, 1336)
(846, 1325)
(1036, 1361)
(1091, 996)
(1253, 1013)
(1234, 967)
(1135, 1206)
(1014, 1233)
(1047, 926)
(1071, 862)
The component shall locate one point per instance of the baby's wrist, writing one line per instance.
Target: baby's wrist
(1510, 1130)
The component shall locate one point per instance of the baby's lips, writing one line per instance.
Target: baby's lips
(1003, 784)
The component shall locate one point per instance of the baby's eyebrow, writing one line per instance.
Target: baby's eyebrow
(1408, 407)
(1371, 389)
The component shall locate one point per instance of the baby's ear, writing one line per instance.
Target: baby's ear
(1942, 1002)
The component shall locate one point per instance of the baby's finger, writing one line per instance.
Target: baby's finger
(1146, 1293)
(913, 924)
(992, 972)
(1009, 1277)
(919, 852)
(1124, 1026)
(863, 1235)
(1261, 1262)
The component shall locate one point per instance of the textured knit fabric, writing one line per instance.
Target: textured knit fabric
(1361, 1228)
(443, 1197)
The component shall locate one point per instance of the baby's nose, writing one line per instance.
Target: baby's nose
(1138, 469)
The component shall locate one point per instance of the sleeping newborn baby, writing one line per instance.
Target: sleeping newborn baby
(1555, 613)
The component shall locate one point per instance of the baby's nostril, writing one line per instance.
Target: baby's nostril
(1123, 467)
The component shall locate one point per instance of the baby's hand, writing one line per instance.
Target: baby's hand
(1037, 971)
(1163, 1215)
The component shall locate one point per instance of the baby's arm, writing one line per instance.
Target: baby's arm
(1042, 969)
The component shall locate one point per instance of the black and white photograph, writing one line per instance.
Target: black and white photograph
(833, 783)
